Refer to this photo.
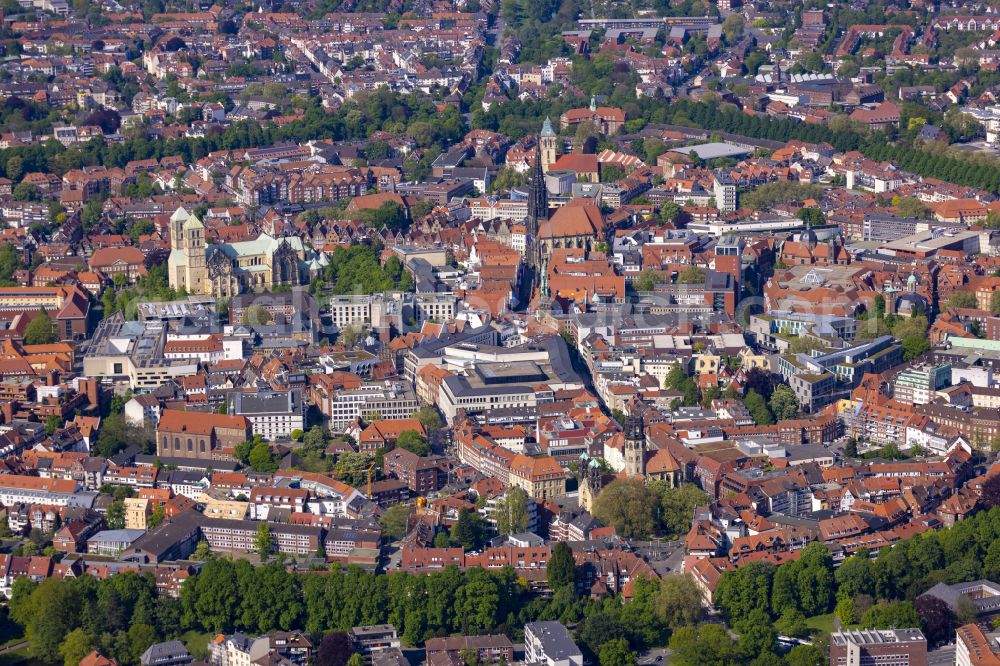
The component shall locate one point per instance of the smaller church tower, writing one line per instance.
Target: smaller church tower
(591, 484)
(548, 143)
(635, 447)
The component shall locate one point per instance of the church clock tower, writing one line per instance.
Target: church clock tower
(548, 143)
(635, 447)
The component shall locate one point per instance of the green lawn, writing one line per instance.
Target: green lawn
(197, 643)
(823, 623)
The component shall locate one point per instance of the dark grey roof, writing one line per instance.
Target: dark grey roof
(281, 402)
(555, 639)
(188, 464)
(169, 651)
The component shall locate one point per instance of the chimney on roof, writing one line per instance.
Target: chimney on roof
(90, 388)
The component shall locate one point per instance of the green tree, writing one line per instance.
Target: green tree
(757, 407)
(912, 207)
(784, 404)
(352, 335)
(791, 623)
(52, 423)
(914, 346)
(10, 261)
(256, 315)
(962, 299)
(757, 635)
(41, 330)
(629, 506)
(612, 173)
(886, 615)
(202, 551)
(805, 655)
(803, 344)
(648, 279)
(208, 600)
(394, 521)
(691, 275)
(815, 580)
(769, 195)
(263, 540)
(677, 507)
(91, 214)
(561, 569)
(811, 216)
(742, 591)
(115, 515)
(315, 439)
(703, 645)
(732, 27)
(855, 575)
(429, 418)
(156, 518)
(52, 615)
(617, 653)
(669, 210)
(469, 531)
(74, 647)
(598, 628)
(511, 511)
(262, 459)
(26, 192)
(995, 303)
(846, 611)
(140, 637)
(507, 178)
(678, 602)
(413, 442)
(15, 168)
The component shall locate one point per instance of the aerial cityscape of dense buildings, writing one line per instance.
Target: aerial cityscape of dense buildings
(468, 332)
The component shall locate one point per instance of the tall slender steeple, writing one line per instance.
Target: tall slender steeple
(538, 197)
(538, 212)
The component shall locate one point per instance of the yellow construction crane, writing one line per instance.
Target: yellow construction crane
(368, 474)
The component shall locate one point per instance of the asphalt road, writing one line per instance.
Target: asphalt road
(657, 657)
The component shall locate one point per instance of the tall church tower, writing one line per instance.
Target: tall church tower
(194, 250)
(548, 143)
(186, 265)
(635, 447)
(538, 212)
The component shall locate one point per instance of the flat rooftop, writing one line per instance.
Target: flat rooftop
(714, 150)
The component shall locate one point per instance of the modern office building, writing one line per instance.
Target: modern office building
(875, 647)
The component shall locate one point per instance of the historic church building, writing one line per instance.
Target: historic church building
(227, 269)
(640, 463)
